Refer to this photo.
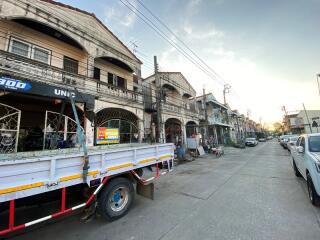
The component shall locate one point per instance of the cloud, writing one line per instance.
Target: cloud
(202, 35)
(118, 15)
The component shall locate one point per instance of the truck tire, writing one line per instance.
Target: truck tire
(116, 198)
(295, 169)
(313, 195)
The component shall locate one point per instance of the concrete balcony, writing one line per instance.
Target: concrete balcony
(179, 110)
(218, 121)
(24, 68)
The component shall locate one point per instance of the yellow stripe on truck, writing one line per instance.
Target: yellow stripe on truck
(76, 176)
(120, 166)
(21, 188)
(166, 156)
(148, 160)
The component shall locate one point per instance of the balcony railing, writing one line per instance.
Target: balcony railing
(21, 67)
(180, 110)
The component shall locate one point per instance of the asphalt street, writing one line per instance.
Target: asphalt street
(246, 194)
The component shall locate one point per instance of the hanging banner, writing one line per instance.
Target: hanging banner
(107, 135)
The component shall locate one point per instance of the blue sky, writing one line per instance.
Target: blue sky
(267, 50)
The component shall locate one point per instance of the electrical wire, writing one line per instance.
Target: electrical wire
(183, 43)
(167, 38)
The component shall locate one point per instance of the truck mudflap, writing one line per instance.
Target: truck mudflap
(145, 187)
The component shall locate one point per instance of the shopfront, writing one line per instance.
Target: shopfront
(37, 116)
(116, 125)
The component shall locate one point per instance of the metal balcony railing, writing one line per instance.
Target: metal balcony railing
(21, 67)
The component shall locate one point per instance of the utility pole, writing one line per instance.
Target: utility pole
(305, 111)
(318, 75)
(286, 116)
(226, 89)
(247, 123)
(205, 114)
(158, 101)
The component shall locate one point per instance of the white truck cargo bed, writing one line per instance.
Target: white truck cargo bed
(27, 174)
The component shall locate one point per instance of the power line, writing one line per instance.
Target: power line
(184, 44)
(146, 20)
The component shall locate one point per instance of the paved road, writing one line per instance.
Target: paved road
(247, 194)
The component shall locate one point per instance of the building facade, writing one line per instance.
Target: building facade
(50, 51)
(217, 121)
(293, 124)
(309, 121)
(179, 112)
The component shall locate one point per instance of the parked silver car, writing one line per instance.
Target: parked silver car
(292, 142)
(284, 140)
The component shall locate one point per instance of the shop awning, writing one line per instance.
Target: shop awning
(29, 87)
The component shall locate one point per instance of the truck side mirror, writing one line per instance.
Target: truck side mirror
(300, 149)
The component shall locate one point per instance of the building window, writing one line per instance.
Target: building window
(70, 65)
(116, 81)
(20, 48)
(96, 73)
(121, 82)
(111, 79)
(41, 55)
(29, 50)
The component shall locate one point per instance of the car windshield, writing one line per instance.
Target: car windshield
(293, 139)
(314, 143)
(251, 139)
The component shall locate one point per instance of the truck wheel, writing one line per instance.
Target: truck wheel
(313, 196)
(295, 169)
(116, 198)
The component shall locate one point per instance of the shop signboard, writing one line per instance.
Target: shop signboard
(42, 89)
(107, 135)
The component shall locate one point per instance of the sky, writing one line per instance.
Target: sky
(268, 51)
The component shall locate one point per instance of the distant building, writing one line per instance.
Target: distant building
(293, 124)
(309, 121)
(218, 120)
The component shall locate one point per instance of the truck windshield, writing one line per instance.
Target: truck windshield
(314, 143)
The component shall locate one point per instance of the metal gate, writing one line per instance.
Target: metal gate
(60, 131)
(9, 128)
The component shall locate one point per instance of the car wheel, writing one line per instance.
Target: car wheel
(295, 169)
(116, 198)
(313, 195)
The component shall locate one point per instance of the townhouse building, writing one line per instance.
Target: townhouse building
(50, 52)
(292, 123)
(217, 118)
(179, 112)
(238, 126)
(307, 122)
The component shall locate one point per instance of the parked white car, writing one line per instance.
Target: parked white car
(306, 163)
(292, 142)
(251, 142)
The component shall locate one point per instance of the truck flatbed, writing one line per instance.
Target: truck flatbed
(31, 173)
